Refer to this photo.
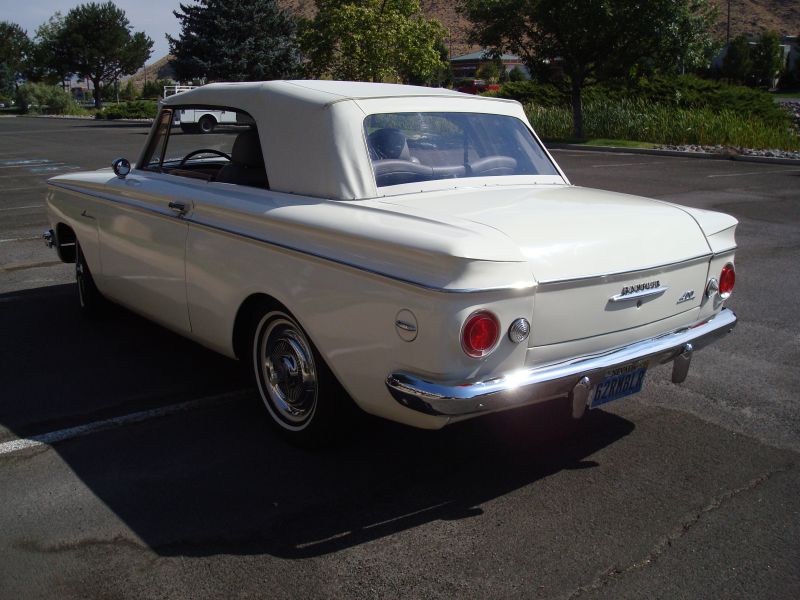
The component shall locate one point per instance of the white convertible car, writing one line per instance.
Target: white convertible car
(414, 250)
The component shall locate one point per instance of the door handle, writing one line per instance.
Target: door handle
(178, 207)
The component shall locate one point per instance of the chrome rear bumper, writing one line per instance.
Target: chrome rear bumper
(574, 377)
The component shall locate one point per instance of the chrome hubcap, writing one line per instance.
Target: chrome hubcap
(288, 373)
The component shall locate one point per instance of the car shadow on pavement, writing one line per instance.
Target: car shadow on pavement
(61, 369)
(217, 480)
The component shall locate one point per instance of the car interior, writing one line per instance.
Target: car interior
(231, 154)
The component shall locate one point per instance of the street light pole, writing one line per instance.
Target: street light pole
(728, 35)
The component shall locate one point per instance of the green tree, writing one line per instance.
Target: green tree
(234, 40)
(737, 66)
(15, 49)
(592, 40)
(685, 43)
(95, 41)
(768, 61)
(129, 91)
(489, 70)
(154, 89)
(373, 40)
(49, 61)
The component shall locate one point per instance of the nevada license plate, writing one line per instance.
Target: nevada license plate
(618, 383)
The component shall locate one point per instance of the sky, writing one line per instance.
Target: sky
(154, 17)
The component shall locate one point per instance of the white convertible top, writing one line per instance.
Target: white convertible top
(312, 133)
(322, 93)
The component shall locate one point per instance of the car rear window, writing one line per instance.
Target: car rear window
(411, 147)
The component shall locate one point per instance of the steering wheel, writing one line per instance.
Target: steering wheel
(203, 151)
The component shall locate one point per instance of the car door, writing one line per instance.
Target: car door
(142, 235)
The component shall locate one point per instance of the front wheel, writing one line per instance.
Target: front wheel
(301, 395)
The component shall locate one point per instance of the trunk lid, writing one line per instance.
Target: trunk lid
(604, 261)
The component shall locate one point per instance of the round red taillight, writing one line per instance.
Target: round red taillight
(727, 279)
(480, 333)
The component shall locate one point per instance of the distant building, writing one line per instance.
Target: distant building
(467, 65)
(81, 90)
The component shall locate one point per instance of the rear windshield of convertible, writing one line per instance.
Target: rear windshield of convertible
(412, 147)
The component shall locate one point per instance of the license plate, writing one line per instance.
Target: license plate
(618, 383)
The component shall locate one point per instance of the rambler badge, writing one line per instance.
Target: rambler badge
(639, 287)
(639, 290)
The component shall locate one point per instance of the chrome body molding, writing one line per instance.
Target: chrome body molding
(182, 212)
(537, 384)
(508, 288)
(645, 293)
(623, 274)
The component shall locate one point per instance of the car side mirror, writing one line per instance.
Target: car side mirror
(121, 166)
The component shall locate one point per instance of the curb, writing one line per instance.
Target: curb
(676, 153)
(147, 122)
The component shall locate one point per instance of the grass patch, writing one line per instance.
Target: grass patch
(786, 95)
(644, 121)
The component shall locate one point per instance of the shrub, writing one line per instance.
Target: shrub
(684, 91)
(527, 91)
(687, 91)
(40, 98)
(646, 121)
(138, 109)
(517, 74)
(154, 89)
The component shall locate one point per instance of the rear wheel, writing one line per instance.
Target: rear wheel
(90, 299)
(304, 400)
(207, 124)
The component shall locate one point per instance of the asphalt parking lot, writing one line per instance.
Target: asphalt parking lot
(684, 491)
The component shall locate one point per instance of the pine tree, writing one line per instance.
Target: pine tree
(234, 40)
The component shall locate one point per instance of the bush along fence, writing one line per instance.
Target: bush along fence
(136, 109)
(645, 121)
(677, 110)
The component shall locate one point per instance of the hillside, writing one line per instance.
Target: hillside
(159, 69)
(751, 17)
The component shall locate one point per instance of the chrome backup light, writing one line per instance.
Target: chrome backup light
(712, 287)
(519, 330)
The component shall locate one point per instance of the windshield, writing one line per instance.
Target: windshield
(411, 147)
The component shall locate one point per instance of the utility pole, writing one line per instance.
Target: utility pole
(728, 35)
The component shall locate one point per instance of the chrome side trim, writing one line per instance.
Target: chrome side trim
(134, 206)
(114, 200)
(638, 295)
(694, 259)
(537, 384)
(505, 288)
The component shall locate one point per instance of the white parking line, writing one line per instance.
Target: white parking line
(27, 188)
(25, 239)
(48, 439)
(23, 207)
(754, 173)
(658, 162)
(27, 165)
